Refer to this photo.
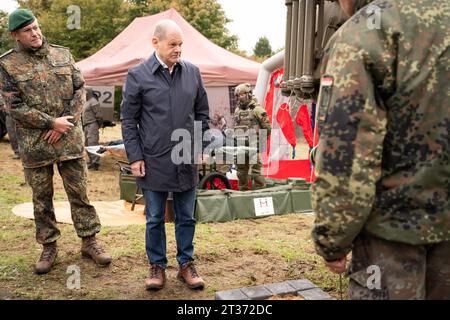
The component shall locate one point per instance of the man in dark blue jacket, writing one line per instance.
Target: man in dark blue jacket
(164, 98)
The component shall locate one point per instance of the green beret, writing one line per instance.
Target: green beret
(20, 18)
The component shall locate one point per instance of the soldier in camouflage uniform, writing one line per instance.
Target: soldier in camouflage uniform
(92, 122)
(383, 161)
(249, 115)
(44, 92)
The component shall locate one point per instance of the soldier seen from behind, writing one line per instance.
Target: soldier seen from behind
(44, 92)
(383, 161)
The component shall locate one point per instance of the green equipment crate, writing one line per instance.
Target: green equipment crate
(227, 205)
(128, 188)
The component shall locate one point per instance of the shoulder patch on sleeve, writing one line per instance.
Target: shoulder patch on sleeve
(327, 81)
(57, 46)
(6, 53)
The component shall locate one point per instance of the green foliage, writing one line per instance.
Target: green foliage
(263, 48)
(6, 42)
(37, 6)
(102, 20)
(207, 16)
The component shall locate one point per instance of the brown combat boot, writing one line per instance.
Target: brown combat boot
(156, 278)
(47, 259)
(190, 277)
(91, 249)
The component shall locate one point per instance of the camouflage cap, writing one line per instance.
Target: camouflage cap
(20, 18)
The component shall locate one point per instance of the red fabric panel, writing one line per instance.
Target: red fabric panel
(270, 93)
(303, 120)
(284, 169)
(284, 119)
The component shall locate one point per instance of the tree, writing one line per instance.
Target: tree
(37, 6)
(262, 48)
(207, 16)
(6, 42)
(102, 20)
(99, 22)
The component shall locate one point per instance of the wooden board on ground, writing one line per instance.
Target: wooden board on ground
(111, 213)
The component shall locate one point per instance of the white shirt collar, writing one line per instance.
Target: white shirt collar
(163, 64)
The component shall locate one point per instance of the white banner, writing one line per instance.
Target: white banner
(105, 95)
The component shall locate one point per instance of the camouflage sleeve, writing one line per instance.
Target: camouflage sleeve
(352, 127)
(97, 112)
(75, 107)
(236, 115)
(263, 119)
(18, 109)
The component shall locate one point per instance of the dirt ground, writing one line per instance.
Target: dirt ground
(228, 255)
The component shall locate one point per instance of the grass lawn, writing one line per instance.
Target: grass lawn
(228, 255)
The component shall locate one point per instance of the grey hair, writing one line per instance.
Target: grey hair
(163, 26)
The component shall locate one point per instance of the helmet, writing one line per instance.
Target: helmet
(89, 92)
(243, 94)
(242, 88)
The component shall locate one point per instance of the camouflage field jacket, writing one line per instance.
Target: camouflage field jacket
(383, 160)
(39, 86)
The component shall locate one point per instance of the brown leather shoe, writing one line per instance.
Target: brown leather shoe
(91, 249)
(188, 274)
(47, 259)
(156, 278)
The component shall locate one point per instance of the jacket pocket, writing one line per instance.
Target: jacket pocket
(64, 83)
(26, 85)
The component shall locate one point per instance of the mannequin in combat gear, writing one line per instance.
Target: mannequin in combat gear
(249, 115)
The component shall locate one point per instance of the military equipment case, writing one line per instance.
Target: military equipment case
(228, 205)
(128, 188)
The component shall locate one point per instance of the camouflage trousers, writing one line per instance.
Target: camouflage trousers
(91, 138)
(255, 169)
(405, 271)
(84, 216)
